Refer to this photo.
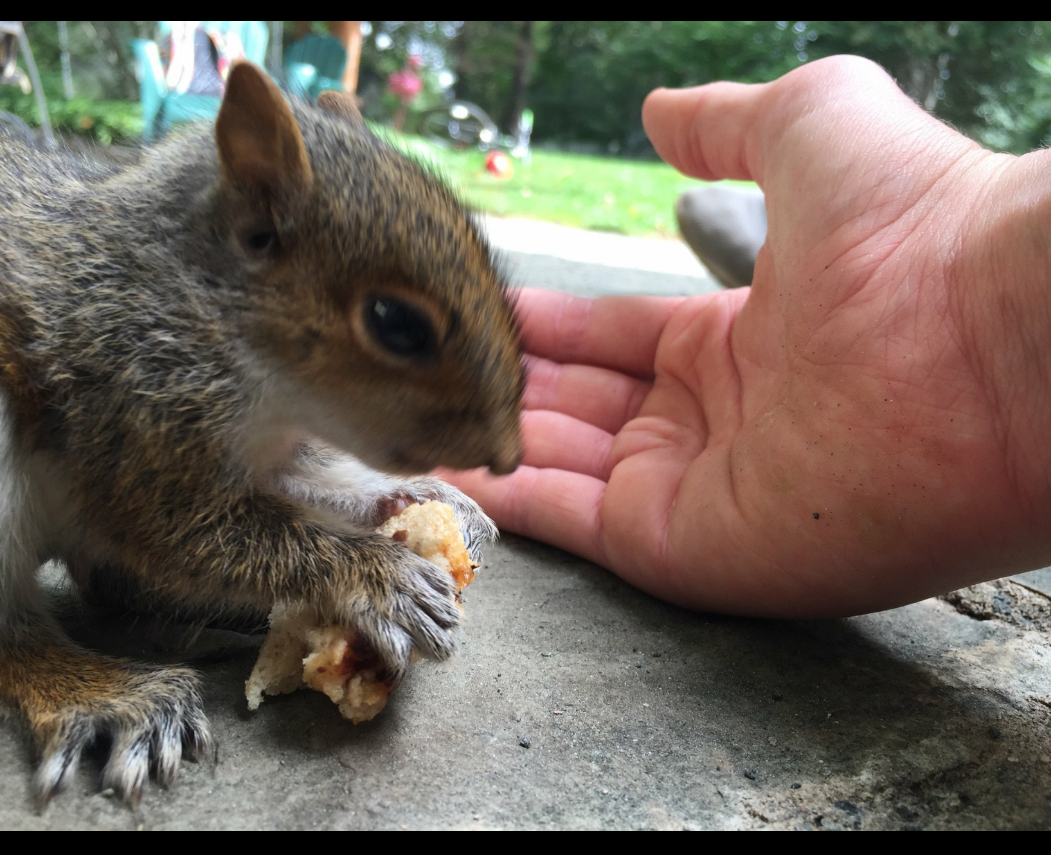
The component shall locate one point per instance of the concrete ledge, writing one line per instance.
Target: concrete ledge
(637, 714)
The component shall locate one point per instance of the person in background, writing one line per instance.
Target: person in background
(198, 59)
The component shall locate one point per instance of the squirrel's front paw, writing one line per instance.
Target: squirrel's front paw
(476, 526)
(151, 716)
(410, 604)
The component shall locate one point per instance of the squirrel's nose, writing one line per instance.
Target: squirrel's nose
(506, 439)
(506, 461)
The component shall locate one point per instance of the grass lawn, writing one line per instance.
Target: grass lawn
(602, 193)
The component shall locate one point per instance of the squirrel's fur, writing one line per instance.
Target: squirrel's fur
(191, 394)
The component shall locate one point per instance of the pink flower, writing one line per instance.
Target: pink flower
(405, 84)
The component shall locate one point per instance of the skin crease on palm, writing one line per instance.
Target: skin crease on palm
(866, 426)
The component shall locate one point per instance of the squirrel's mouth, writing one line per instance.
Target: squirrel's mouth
(462, 450)
(401, 462)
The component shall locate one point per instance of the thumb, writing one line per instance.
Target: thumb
(841, 104)
(703, 131)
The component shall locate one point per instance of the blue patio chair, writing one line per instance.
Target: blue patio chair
(315, 64)
(162, 109)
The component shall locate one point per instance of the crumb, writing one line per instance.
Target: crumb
(299, 652)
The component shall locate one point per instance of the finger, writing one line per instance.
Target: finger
(619, 333)
(393, 644)
(557, 441)
(196, 735)
(561, 508)
(63, 748)
(426, 634)
(128, 768)
(705, 131)
(430, 597)
(606, 399)
(166, 750)
(730, 130)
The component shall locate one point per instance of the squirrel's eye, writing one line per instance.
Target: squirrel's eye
(260, 241)
(401, 328)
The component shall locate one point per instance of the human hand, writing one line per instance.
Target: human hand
(865, 427)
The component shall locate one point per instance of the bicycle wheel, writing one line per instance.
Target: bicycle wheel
(13, 126)
(459, 124)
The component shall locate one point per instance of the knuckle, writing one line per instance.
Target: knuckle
(855, 74)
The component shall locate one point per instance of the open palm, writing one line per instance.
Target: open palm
(839, 437)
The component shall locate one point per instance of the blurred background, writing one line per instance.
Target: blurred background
(539, 119)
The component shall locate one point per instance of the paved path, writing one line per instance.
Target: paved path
(543, 255)
(637, 714)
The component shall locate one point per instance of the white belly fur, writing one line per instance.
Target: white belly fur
(37, 518)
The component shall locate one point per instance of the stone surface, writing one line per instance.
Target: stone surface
(637, 714)
(725, 226)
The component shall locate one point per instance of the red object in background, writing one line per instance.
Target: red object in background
(499, 164)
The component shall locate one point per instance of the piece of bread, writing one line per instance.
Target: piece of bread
(299, 652)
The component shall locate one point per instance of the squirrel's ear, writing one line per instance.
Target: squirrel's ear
(342, 105)
(260, 146)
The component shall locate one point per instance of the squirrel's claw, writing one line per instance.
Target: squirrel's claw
(416, 610)
(128, 767)
(427, 610)
(477, 528)
(158, 720)
(61, 755)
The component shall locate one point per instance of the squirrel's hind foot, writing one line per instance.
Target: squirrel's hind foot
(154, 719)
(152, 716)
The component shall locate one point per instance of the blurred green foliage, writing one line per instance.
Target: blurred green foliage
(990, 79)
(104, 121)
(104, 106)
(429, 40)
(585, 80)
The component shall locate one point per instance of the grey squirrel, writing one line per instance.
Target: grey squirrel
(211, 363)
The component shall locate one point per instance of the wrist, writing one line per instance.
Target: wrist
(999, 280)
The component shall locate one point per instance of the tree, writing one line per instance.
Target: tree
(990, 79)
(585, 80)
(521, 72)
(591, 77)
